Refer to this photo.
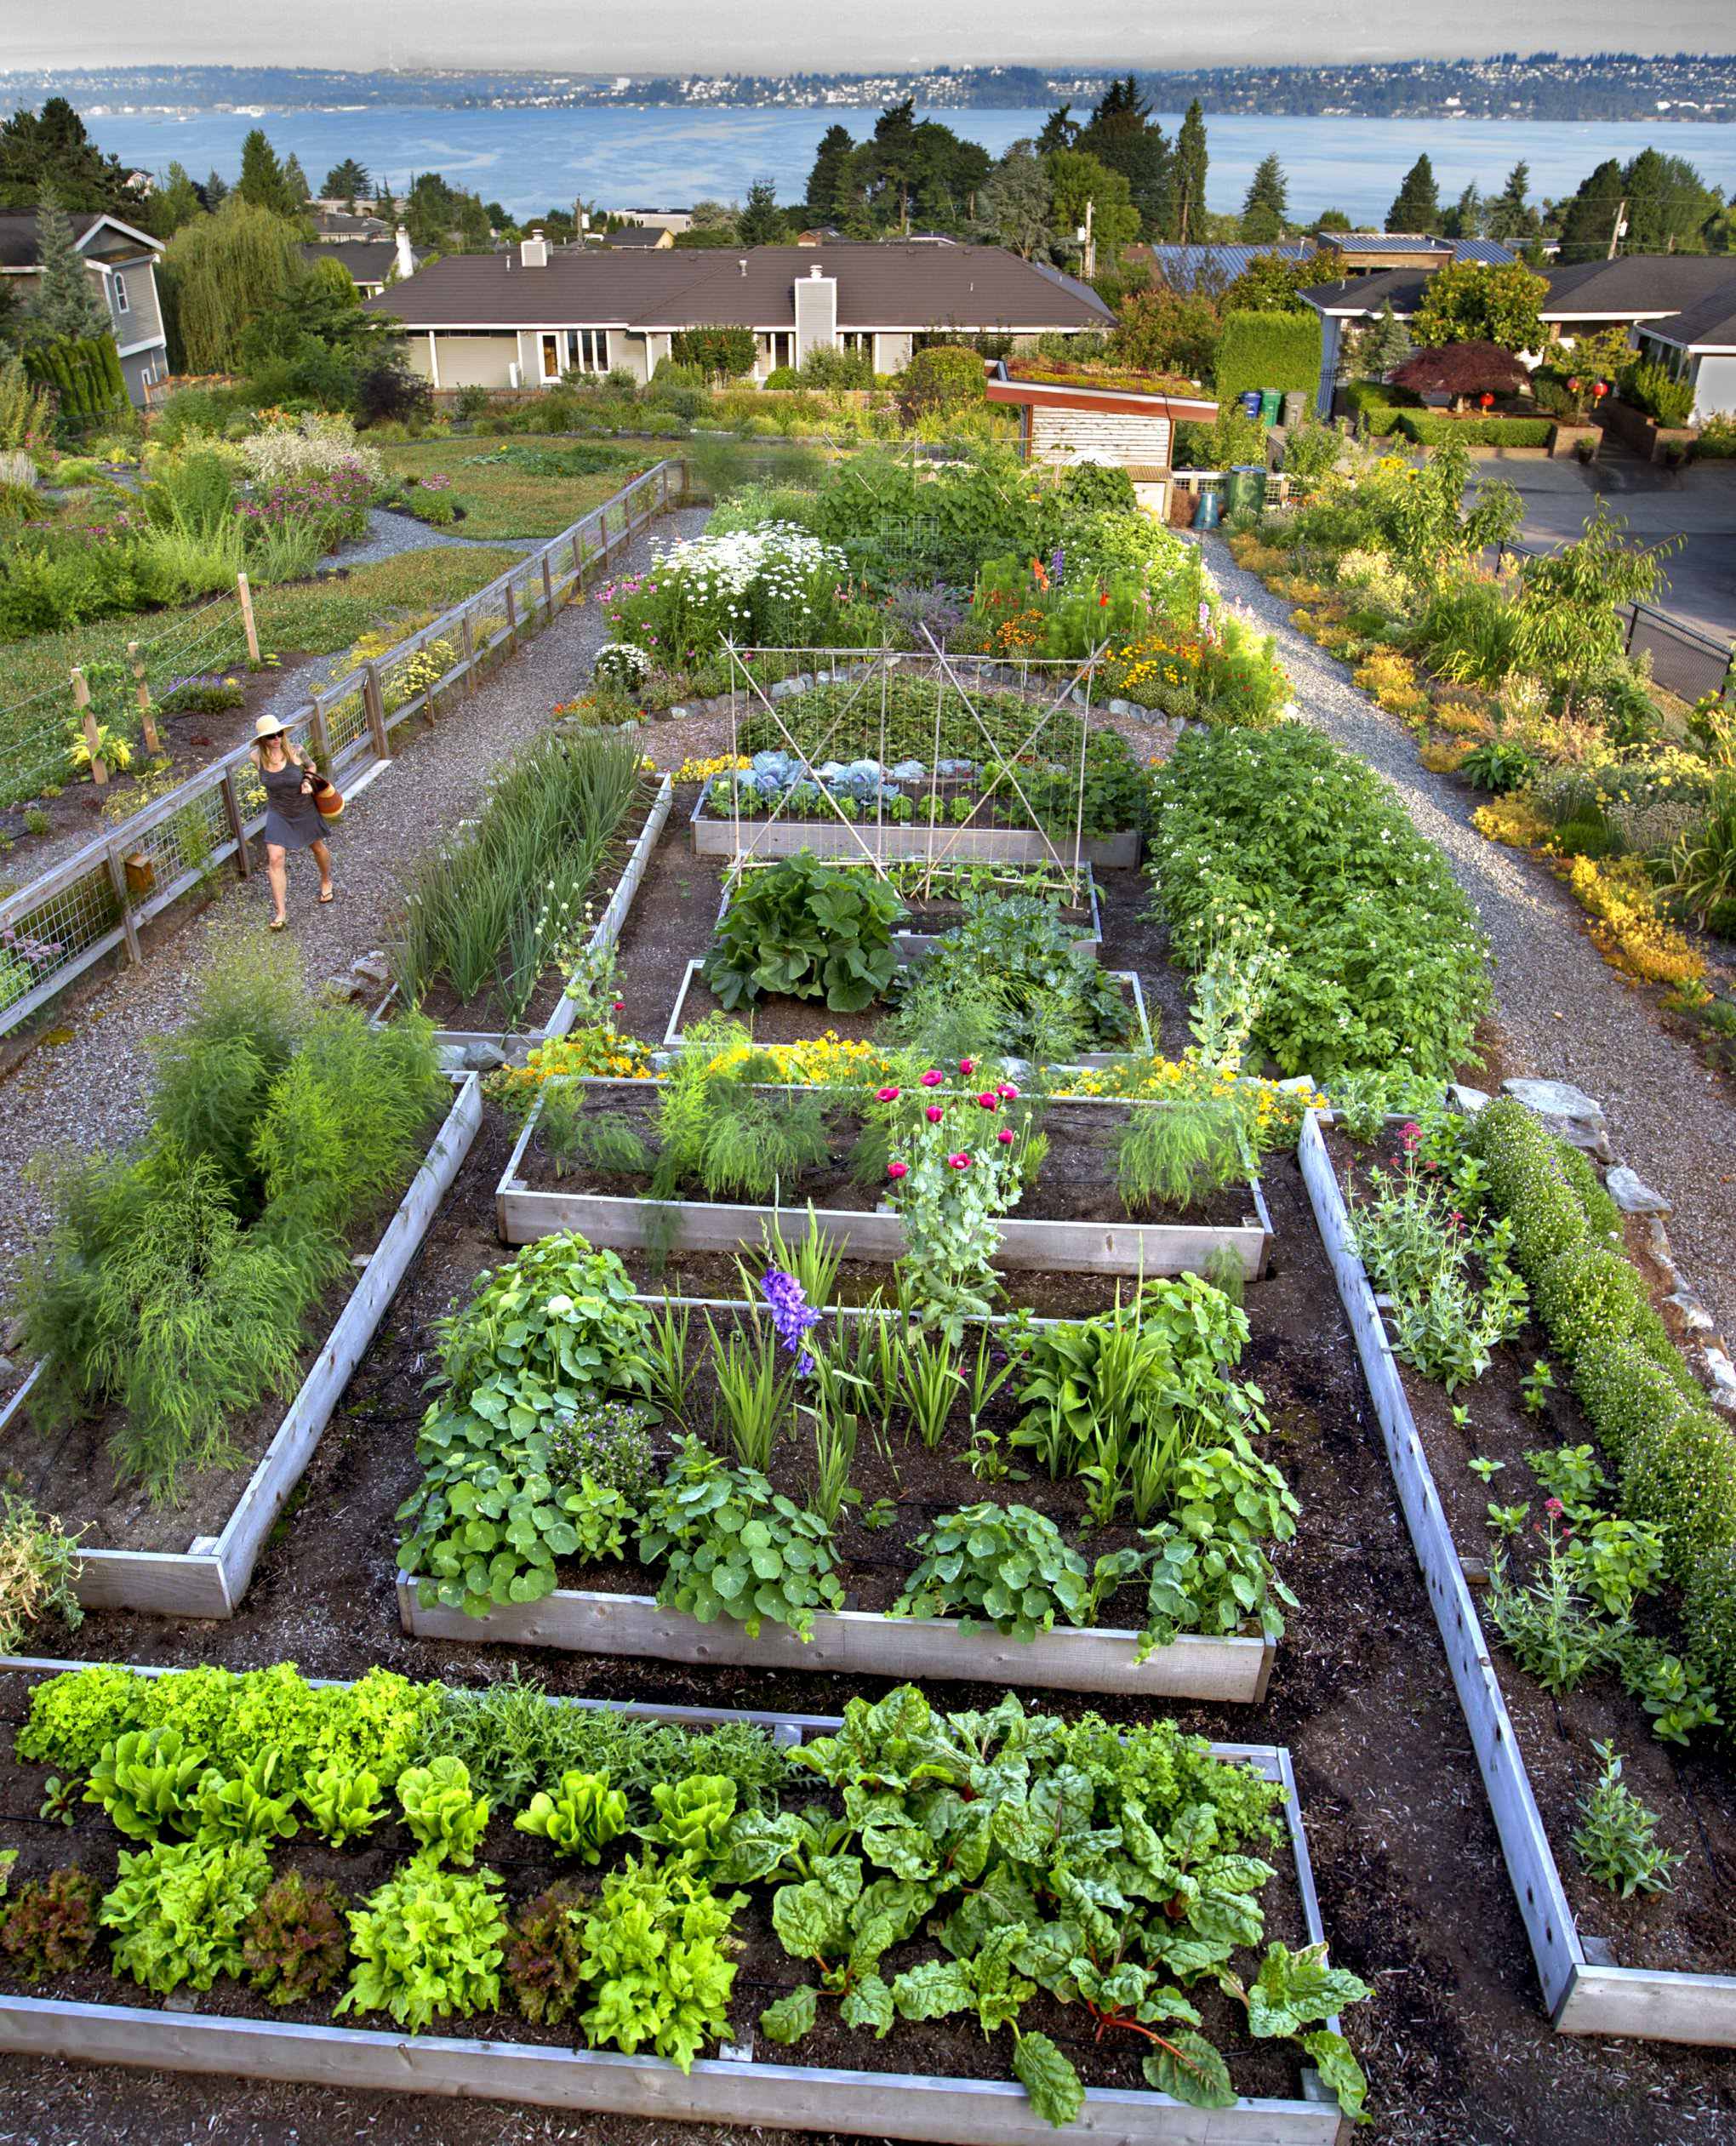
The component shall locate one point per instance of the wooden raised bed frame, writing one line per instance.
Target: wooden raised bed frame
(209, 1577)
(859, 840)
(729, 2090)
(1583, 1997)
(524, 1214)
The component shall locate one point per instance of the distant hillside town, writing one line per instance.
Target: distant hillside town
(1543, 85)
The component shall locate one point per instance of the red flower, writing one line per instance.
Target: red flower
(1554, 1507)
(898, 1169)
(1005, 1136)
(935, 1114)
(988, 1101)
(958, 1162)
(1103, 601)
(967, 1066)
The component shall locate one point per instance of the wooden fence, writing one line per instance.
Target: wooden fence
(94, 903)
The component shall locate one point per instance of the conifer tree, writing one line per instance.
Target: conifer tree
(1189, 186)
(1267, 209)
(1416, 206)
(64, 305)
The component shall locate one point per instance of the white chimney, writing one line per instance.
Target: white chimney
(406, 262)
(534, 251)
(815, 273)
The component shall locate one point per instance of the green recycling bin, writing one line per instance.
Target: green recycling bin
(1244, 489)
(1271, 402)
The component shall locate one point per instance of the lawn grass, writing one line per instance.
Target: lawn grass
(500, 499)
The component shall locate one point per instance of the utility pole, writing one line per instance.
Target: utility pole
(1615, 236)
(1087, 242)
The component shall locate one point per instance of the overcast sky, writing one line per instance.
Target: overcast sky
(776, 36)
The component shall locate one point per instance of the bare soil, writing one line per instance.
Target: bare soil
(1692, 1929)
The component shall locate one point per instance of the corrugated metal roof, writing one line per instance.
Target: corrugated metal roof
(1183, 267)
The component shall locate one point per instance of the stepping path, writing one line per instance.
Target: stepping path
(89, 1092)
(1565, 1014)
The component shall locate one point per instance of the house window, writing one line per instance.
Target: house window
(778, 348)
(575, 349)
(858, 340)
(122, 303)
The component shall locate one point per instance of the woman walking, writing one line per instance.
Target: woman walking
(292, 817)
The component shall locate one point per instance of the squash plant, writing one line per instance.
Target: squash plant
(808, 929)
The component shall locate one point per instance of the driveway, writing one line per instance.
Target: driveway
(1697, 503)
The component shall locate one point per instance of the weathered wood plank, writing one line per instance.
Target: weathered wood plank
(1650, 2004)
(156, 1583)
(1230, 1671)
(724, 837)
(285, 1460)
(784, 2096)
(1537, 1885)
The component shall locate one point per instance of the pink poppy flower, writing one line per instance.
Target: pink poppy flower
(933, 1080)
(935, 1114)
(958, 1162)
(988, 1100)
(886, 1095)
(1005, 1136)
(1008, 1092)
(898, 1169)
(967, 1066)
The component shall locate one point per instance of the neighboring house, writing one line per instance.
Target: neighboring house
(335, 225)
(1356, 254)
(122, 265)
(1677, 308)
(524, 318)
(673, 220)
(372, 262)
(658, 237)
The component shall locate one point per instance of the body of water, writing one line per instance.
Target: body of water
(669, 157)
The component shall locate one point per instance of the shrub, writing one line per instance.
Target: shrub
(1376, 406)
(943, 377)
(1434, 428)
(1268, 351)
(390, 393)
(1654, 390)
(715, 353)
(38, 1570)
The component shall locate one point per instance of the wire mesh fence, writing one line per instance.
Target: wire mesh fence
(94, 903)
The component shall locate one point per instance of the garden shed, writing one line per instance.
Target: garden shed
(1070, 414)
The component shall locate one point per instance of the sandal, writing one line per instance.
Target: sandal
(328, 894)
(277, 924)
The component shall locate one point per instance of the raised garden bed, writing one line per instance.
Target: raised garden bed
(1085, 1234)
(1585, 1991)
(935, 905)
(961, 2096)
(551, 1014)
(779, 1020)
(210, 1575)
(991, 841)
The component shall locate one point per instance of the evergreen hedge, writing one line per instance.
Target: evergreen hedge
(1278, 351)
(1435, 428)
(85, 374)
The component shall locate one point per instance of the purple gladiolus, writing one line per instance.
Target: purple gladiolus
(791, 1314)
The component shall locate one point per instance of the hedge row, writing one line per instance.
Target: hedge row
(1674, 1460)
(1278, 351)
(86, 375)
(1434, 428)
(1378, 406)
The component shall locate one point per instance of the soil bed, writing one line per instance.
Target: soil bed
(483, 1012)
(1693, 1928)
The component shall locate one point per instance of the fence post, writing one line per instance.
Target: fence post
(147, 720)
(118, 880)
(245, 593)
(374, 702)
(548, 586)
(238, 826)
(321, 737)
(81, 701)
(578, 561)
(469, 641)
(512, 617)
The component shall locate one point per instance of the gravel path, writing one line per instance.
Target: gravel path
(89, 1091)
(389, 533)
(1565, 1014)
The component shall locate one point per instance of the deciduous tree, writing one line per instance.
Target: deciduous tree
(1462, 370)
(1471, 302)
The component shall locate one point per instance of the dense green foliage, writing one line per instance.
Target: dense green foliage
(807, 930)
(1268, 350)
(1382, 958)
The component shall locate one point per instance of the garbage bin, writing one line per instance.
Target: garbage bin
(1250, 403)
(1295, 409)
(1207, 516)
(1270, 402)
(1244, 489)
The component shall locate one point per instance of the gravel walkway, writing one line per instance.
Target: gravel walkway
(1565, 1014)
(389, 533)
(89, 1091)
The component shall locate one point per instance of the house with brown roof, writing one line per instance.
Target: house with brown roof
(526, 316)
(122, 265)
(372, 262)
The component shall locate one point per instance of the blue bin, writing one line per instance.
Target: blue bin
(1209, 516)
(1250, 403)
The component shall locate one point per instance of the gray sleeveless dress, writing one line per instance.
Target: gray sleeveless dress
(292, 821)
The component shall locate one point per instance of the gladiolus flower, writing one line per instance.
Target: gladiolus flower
(967, 1066)
(1005, 1136)
(935, 1114)
(958, 1162)
(886, 1095)
(988, 1100)
(933, 1080)
(898, 1169)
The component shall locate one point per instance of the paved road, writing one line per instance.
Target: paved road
(1697, 503)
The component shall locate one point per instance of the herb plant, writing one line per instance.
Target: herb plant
(1616, 1838)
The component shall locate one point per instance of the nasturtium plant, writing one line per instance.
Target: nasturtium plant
(733, 1547)
(808, 929)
